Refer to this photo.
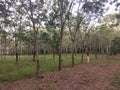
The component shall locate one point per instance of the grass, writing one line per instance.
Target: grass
(117, 75)
(25, 68)
(117, 81)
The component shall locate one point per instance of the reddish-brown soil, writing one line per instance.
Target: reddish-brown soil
(88, 76)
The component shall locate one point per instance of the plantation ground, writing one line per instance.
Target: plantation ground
(103, 74)
(26, 68)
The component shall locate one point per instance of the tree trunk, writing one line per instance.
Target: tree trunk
(5, 47)
(87, 48)
(37, 54)
(16, 50)
(1, 47)
(66, 51)
(60, 53)
(95, 51)
(34, 46)
(73, 49)
(95, 56)
(35, 32)
(53, 51)
(60, 48)
(82, 54)
(44, 52)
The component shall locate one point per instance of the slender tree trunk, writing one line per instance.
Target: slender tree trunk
(5, 45)
(1, 51)
(62, 25)
(95, 55)
(87, 48)
(61, 35)
(60, 53)
(28, 50)
(66, 51)
(20, 53)
(95, 51)
(53, 51)
(73, 49)
(16, 50)
(82, 54)
(99, 49)
(34, 46)
(44, 52)
(35, 32)
(37, 54)
(1, 47)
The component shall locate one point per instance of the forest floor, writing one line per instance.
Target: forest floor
(98, 75)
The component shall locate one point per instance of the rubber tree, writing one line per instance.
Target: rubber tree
(17, 22)
(64, 8)
(74, 23)
(5, 12)
(92, 11)
(52, 26)
(44, 40)
(35, 13)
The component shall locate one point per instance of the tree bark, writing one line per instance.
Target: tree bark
(5, 45)
(73, 49)
(37, 54)
(34, 39)
(1, 47)
(66, 51)
(60, 50)
(44, 52)
(34, 46)
(87, 48)
(35, 51)
(53, 51)
(82, 54)
(62, 25)
(16, 50)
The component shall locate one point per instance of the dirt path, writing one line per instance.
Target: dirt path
(92, 76)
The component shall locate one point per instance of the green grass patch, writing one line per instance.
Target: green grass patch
(25, 68)
(117, 81)
(117, 76)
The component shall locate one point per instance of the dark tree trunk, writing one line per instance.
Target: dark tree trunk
(73, 49)
(87, 48)
(34, 44)
(35, 47)
(53, 51)
(16, 50)
(44, 52)
(5, 45)
(82, 54)
(66, 51)
(1, 47)
(96, 56)
(60, 51)
(37, 54)
(62, 25)
(95, 51)
(35, 32)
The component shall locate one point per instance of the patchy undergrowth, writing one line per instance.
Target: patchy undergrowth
(99, 75)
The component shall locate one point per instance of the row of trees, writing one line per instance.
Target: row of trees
(56, 26)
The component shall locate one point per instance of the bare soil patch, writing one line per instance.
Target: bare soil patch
(88, 76)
